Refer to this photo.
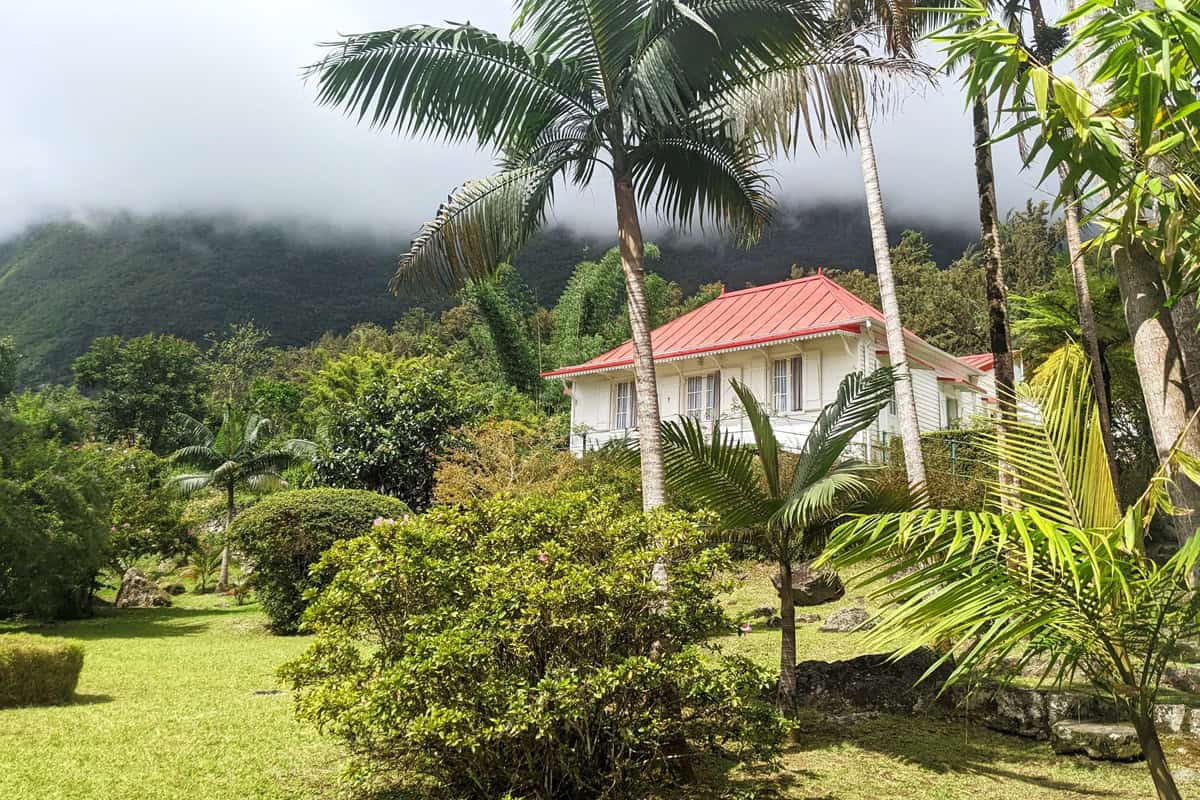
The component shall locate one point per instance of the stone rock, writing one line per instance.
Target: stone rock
(1032, 713)
(1185, 775)
(1188, 651)
(174, 588)
(775, 621)
(1171, 718)
(138, 591)
(1184, 677)
(1103, 741)
(874, 684)
(807, 619)
(847, 620)
(766, 612)
(812, 587)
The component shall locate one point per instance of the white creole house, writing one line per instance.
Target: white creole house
(791, 343)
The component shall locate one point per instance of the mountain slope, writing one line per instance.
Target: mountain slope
(62, 284)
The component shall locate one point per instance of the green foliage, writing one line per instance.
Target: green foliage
(140, 385)
(501, 313)
(38, 670)
(284, 535)
(54, 521)
(57, 412)
(956, 470)
(1051, 573)
(499, 456)
(388, 426)
(146, 512)
(518, 649)
(9, 357)
(234, 359)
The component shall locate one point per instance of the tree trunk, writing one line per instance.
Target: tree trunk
(787, 643)
(629, 234)
(1186, 318)
(997, 295)
(1169, 403)
(223, 583)
(1087, 328)
(1156, 759)
(906, 404)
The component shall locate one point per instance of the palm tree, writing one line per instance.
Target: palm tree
(236, 456)
(1055, 576)
(784, 511)
(641, 90)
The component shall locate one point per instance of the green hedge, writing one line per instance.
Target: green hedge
(286, 533)
(37, 670)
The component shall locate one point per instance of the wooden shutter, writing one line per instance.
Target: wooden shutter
(812, 380)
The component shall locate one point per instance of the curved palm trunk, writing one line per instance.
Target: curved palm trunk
(632, 249)
(1156, 759)
(998, 335)
(906, 404)
(223, 583)
(787, 646)
(1087, 329)
(1160, 366)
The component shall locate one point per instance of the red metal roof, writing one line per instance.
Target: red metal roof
(763, 314)
(980, 361)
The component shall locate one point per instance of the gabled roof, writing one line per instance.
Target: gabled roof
(777, 312)
(980, 361)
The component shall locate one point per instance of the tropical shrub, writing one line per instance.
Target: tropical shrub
(518, 648)
(146, 513)
(38, 670)
(502, 456)
(284, 535)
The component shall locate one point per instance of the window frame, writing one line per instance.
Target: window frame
(629, 406)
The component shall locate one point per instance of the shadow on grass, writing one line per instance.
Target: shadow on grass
(129, 623)
(91, 699)
(941, 747)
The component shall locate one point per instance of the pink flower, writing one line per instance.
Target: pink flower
(744, 628)
(378, 521)
(543, 557)
(125, 525)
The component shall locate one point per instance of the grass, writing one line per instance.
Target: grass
(168, 707)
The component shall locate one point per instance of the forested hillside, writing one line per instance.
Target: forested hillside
(62, 284)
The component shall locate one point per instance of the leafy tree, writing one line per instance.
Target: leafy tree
(8, 366)
(234, 359)
(387, 432)
(145, 516)
(1032, 247)
(513, 651)
(784, 513)
(632, 87)
(57, 412)
(1051, 571)
(140, 385)
(237, 456)
(505, 324)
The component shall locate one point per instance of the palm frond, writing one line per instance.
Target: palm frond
(193, 429)
(706, 177)
(828, 496)
(715, 471)
(199, 454)
(483, 223)
(191, 483)
(765, 440)
(448, 83)
(1057, 462)
(600, 34)
(858, 403)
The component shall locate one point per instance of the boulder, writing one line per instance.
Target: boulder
(174, 588)
(766, 612)
(775, 621)
(812, 587)
(1184, 677)
(1103, 741)
(138, 591)
(847, 620)
(807, 619)
(874, 683)
(1032, 713)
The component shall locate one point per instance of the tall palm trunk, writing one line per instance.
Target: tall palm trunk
(223, 582)
(1160, 366)
(997, 296)
(1087, 329)
(632, 249)
(1156, 759)
(787, 645)
(906, 404)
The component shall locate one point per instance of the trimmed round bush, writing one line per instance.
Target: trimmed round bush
(285, 534)
(38, 670)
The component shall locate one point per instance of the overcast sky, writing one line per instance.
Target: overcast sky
(165, 105)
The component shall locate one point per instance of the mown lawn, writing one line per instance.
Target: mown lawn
(173, 703)
(177, 703)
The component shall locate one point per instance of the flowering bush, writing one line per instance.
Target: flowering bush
(518, 647)
(284, 535)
